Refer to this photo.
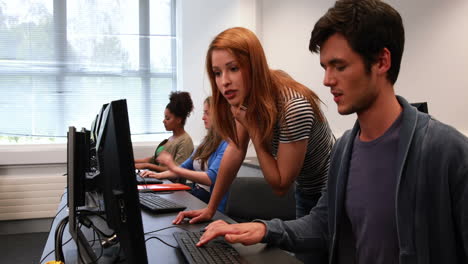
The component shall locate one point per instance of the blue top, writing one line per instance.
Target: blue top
(213, 166)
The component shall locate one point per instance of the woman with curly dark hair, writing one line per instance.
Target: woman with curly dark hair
(180, 144)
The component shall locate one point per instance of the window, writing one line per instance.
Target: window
(61, 60)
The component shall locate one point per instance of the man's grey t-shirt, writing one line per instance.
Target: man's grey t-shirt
(370, 197)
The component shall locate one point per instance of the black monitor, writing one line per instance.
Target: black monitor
(99, 122)
(116, 186)
(88, 151)
(76, 170)
(93, 138)
(118, 183)
(93, 129)
(422, 107)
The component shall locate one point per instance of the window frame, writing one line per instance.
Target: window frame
(143, 73)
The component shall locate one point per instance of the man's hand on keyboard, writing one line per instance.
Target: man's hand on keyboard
(245, 233)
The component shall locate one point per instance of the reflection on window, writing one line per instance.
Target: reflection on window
(61, 60)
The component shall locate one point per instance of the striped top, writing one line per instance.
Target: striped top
(297, 122)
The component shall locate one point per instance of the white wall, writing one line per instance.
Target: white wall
(199, 22)
(434, 66)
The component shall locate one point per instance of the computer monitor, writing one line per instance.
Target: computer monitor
(93, 138)
(422, 106)
(88, 151)
(99, 121)
(116, 186)
(93, 129)
(118, 183)
(75, 167)
(76, 171)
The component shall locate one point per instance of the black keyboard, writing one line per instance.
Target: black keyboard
(216, 251)
(147, 180)
(156, 203)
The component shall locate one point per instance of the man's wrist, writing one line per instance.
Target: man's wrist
(265, 231)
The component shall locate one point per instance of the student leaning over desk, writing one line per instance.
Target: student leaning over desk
(282, 117)
(180, 144)
(202, 167)
(397, 190)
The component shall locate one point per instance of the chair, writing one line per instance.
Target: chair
(253, 198)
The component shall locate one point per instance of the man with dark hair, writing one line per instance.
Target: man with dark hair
(398, 181)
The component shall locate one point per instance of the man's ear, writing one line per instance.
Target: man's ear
(384, 61)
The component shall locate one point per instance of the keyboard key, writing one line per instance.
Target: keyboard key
(216, 251)
(156, 203)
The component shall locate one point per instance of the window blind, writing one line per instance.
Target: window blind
(60, 61)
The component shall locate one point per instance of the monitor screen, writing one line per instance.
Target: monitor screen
(422, 107)
(99, 121)
(76, 168)
(116, 187)
(93, 136)
(87, 149)
(118, 183)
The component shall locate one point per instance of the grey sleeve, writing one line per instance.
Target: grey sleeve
(306, 233)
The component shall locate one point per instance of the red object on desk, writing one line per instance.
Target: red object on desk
(164, 187)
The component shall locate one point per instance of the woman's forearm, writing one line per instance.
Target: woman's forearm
(281, 172)
(194, 176)
(269, 167)
(154, 167)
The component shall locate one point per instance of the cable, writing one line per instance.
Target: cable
(55, 216)
(164, 242)
(154, 231)
(52, 223)
(94, 239)
(83, 219)
(48, 254)
(90, 224)
(144, 179)
(82, 211)
(58, 239)
(102, 248)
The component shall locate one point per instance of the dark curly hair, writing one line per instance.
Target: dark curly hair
(180, 104)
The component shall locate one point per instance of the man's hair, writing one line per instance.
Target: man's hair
(368, 26)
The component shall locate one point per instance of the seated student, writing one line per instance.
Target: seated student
(180, 144)
(202, 167)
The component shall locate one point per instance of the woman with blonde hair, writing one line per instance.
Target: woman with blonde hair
(282, 117)
(202, 167)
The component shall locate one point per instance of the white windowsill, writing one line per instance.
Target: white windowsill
(53, 153)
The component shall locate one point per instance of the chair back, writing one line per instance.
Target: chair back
(253, 198)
